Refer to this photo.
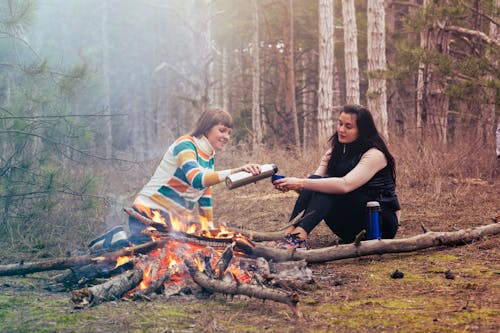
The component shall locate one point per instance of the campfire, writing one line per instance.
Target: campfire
(185, 257)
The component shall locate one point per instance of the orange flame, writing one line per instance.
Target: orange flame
(122, 260)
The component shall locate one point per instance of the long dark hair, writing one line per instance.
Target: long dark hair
(368, 135)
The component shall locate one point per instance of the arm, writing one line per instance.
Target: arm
(371, 162)
(200, 177)
(323, 164)
(197, 176)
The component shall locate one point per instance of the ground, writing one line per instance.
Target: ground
(350, 295)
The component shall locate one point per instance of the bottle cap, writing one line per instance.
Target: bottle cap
(372, 204)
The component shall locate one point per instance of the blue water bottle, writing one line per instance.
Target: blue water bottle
(373, 208)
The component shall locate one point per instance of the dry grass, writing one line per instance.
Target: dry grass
(445, 190)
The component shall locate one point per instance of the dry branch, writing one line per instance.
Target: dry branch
(291, 299)
(23, 268)
(427, 240)
(111, 290)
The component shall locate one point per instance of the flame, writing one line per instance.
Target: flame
(146, 278)
(172, 254)
(122, 260)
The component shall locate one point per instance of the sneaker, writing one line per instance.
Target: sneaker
(113, 239)
(290, 241)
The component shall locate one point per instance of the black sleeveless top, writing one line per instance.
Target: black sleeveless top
(381, 187)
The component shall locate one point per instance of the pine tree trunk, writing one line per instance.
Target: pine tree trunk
(326, 68)
(256, 113)
(289, 61)
(437, 100)
(488, 111)
(421, 105)
(377, 90)
(351, 52)
(107, 121)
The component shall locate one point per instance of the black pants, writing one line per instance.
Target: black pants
(345, 214)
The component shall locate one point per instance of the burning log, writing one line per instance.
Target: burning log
(23, 268)
(370, 247)
(224, 261)
(213, 285)
(108, 291)
(81, 276)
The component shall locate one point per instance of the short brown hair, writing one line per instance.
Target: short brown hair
(210, 118)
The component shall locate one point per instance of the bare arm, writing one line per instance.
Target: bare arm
(371, 162)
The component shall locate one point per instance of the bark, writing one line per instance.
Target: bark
(326, 67)
(371, 247)
(377, 86)
(351, 52)
(291, 299)
(289, 61)
(111, 290)
(256, 113)
(107, 123)
(23, 268)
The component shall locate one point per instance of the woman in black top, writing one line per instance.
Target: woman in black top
(356, 169)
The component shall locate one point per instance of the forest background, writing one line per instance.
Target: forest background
(93, 89)
(93, 92)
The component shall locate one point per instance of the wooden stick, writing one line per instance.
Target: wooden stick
(23, 268)
(262, 236)
(291, 299)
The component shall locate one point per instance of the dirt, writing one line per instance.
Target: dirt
(444, 289)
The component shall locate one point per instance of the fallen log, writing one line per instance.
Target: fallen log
(213, 285)
(111, 290)
(23, 268)
(370, 247)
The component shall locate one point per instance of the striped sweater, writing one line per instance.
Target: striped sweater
(183, 179)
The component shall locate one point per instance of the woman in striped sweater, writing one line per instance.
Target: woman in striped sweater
(183, 179)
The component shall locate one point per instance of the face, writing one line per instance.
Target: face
(218, 136)
(347, 128)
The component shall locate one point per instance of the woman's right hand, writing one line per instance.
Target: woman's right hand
(252, 168)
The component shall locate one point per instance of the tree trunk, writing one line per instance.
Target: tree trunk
(326, 68)
(351, 52)
(377, 89)
(488, 110)
(308, 114)
(421, 105)
(289, 61)
(256, 113)
(437, 100)
(107, 122)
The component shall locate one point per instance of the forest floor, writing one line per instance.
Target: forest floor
(349, 295)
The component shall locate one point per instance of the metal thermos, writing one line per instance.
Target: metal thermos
(243, 178)
(373, 208)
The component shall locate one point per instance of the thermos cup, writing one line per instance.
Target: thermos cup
(373, 208)
(243, 178)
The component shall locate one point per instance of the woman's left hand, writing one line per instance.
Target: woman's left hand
(289, 183)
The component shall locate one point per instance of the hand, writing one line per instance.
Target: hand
(289, 183)
(252, 168)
